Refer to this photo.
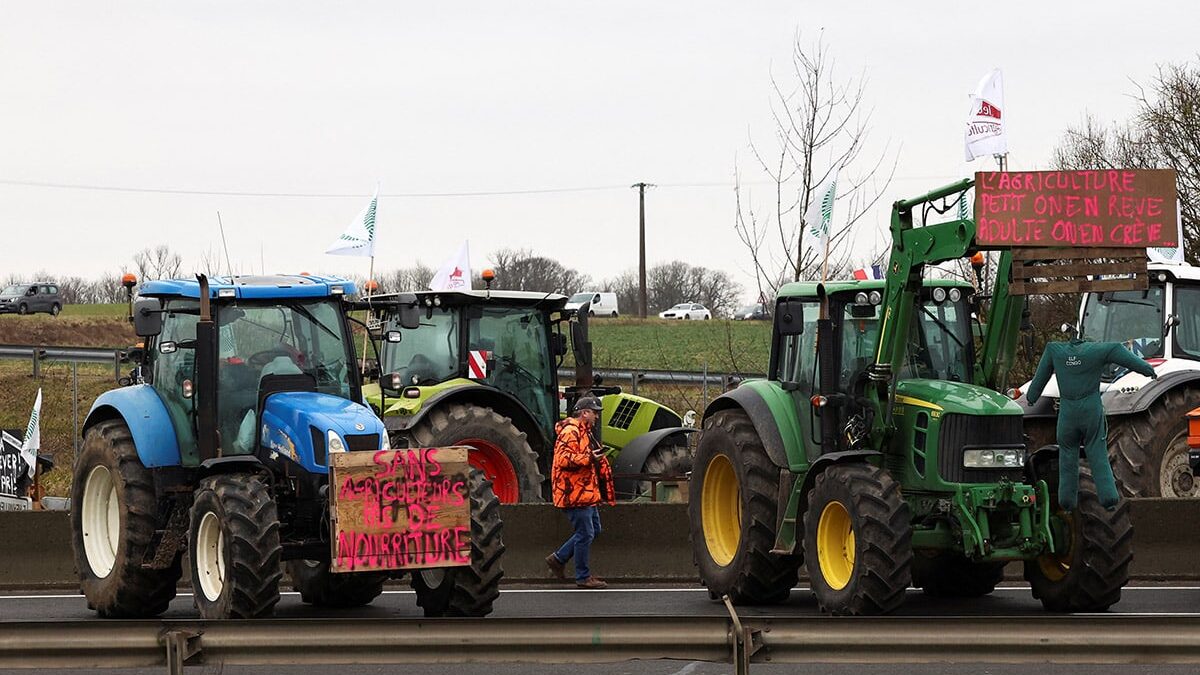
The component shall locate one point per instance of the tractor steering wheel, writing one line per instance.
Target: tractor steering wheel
(261, 359)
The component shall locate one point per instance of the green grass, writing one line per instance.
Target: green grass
(119, 309)
(721, 346)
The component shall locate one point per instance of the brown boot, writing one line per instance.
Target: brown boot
(592, 583)
(557, 569)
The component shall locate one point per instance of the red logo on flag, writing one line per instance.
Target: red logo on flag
(988, 110)
(477, 364)
(456, 274)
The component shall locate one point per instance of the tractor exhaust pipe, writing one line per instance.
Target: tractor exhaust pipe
(208, 437)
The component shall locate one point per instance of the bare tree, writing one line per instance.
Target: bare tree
(522, 270)
(159, 262)
(1164, 132)
(821, 125)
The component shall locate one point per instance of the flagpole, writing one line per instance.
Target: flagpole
(367, 323)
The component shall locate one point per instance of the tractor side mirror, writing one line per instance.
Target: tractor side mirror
(147, 317)
(1172, 320)
(560, 344)
(393, 336)
(790, 317)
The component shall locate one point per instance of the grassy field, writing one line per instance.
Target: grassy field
(119, 309)
(722, 346)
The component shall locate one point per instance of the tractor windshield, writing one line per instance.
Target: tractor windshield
(1134, 318)
(941, 341)
(255, 340)
(429, 354)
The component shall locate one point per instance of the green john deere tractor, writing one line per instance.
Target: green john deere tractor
(881, 454)
(482, 369)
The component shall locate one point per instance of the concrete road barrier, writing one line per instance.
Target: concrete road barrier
(640, 542)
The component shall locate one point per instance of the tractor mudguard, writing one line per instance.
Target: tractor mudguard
(233, 464)
(1044, 408)
(768, 406)
(633, 456)
(785, 530)
(1128, 403)
(829, 459)
(147, 419)
(500, 401)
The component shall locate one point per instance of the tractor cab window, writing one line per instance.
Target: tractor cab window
(256, 340)
(173, 369)
(428, 355)
(940, 341)
(1187, 333)
(1133, 318)
(859, 340)
(515, 341)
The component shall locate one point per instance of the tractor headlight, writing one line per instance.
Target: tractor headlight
(335, 442)
(860, 298)
(387, 442)
(939, 294)
(955, 295)
(1001, 458)
(876, 298)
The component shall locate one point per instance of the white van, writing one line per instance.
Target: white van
(603, 304)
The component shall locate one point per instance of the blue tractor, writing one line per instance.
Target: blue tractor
(220, 448)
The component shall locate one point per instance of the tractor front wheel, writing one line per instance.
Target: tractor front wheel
(733, 511)
(498, 448)
(1091, 564)
(469, 590)
(235, 549)
(113, 525)
(1149, 451)
(858, 540)
(320, 587)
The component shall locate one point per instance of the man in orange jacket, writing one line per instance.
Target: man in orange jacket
(581, 479)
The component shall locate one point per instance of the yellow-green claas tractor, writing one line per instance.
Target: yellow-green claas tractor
(481, 369)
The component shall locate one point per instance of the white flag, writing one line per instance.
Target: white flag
(1170, 255)
(985, 134)
(455, 273)
(359, 238)
(819, 217)
(33, 435)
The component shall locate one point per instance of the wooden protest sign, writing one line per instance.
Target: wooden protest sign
(1127, 208)
(1077, 270)
(14, 477)
(400, 509)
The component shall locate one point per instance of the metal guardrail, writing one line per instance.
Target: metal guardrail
(37, 354)
(719, 639)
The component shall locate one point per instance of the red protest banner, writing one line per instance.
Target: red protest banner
(1123, 207)
(400, 509)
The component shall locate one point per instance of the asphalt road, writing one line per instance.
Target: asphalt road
(625, 601)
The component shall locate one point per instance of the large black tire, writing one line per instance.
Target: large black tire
(732, 474)
(1088, 576)
(1149, 451)
(55, 309)
(322, 588)
(234, 547)
(22, 308)
(953, 576)
(458, 422)
(869, 573)
(665, 460)
(469, 590)
(124, 590)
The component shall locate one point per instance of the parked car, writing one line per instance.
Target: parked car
(686, 311)
(755, 312)
(603, 303)
(41, 296)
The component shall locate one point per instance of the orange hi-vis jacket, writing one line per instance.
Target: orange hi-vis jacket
(576, 477)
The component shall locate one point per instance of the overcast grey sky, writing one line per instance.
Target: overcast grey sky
(328, 98)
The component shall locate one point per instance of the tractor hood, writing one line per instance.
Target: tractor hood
(411, 405)
(954, 397)
(297, 424)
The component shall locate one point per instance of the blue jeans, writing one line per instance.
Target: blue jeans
(586, 521)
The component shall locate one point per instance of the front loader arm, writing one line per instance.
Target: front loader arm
(1002, 329)
(912, 249)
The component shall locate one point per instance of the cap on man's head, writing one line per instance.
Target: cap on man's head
(588, 403)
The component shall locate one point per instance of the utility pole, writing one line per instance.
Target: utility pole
(641, 187)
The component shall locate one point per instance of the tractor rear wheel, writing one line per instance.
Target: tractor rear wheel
(733, 511)
(1149, 451)
(113, 527)
(498, 448)
(322, 588)
(953, 576)
(234, 548)
(858, 540)
(1091, 567)
(468, 590)
(665, 460)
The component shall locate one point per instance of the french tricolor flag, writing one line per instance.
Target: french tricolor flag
(872, 272)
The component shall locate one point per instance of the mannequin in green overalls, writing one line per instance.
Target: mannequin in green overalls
(1078, 365)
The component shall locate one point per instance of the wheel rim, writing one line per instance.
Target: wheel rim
(1175, 477)
(101, 521)
(721, 510)
(210, 556)
(835, 545)
(1056, 566)
(496, 466)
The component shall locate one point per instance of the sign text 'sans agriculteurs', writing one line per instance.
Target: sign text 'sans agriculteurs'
(1118, 208)
(400, 509)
